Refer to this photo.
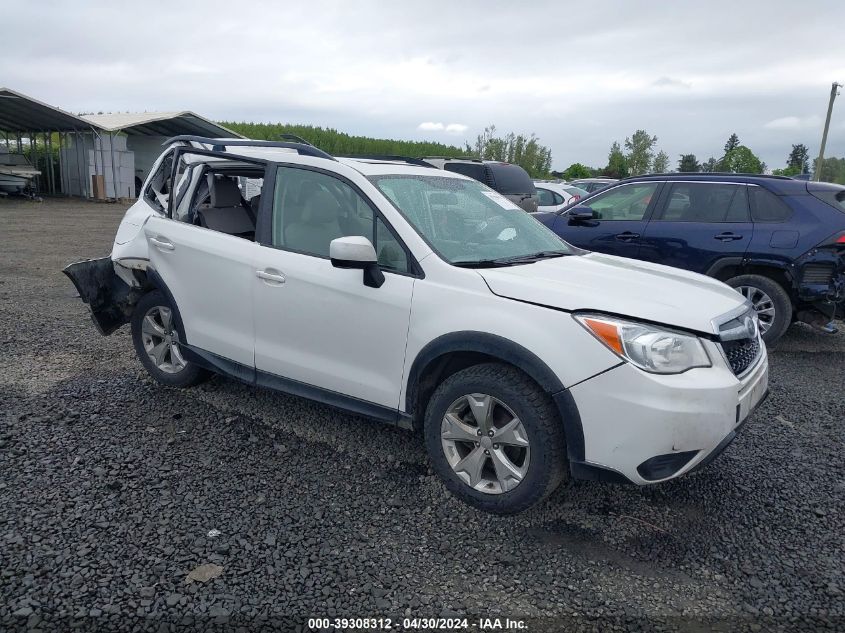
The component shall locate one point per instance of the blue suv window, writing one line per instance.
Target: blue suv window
(767, 207)
(625, 202)
(706, 202)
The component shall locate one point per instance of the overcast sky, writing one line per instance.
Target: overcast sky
(579, 75)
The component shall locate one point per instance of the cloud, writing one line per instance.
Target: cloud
(429, 126)
(451, 128)
(669, 82)
(794, 123)
(365, 68)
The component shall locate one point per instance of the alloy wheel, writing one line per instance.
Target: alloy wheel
(161, 341)
(762, 304)
(485, 443)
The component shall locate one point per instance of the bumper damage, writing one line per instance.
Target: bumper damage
(109, 297)
(820, 286)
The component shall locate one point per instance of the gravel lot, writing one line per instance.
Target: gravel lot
(110, 484)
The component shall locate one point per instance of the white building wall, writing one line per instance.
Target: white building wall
(87, 155)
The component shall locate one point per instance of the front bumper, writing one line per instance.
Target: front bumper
(649, 428)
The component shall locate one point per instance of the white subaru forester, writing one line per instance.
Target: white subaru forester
(426, 299)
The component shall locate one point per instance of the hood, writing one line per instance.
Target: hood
(627, 287)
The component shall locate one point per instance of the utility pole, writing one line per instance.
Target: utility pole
(834, 91)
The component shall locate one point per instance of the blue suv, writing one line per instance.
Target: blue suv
(778, 241)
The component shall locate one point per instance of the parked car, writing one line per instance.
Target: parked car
(552, 196)
(427, 300)
(778, 241)
(593, 184)
(510, 180)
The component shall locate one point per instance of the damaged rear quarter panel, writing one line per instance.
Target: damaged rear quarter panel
(109, 297)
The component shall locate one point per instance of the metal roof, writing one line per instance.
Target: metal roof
(20, 113)
(159, 124)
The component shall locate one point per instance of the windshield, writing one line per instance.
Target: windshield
(466, 222)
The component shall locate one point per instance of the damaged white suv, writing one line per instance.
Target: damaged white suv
(425, 299)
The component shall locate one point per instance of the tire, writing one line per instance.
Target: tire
(542, 463)
(150, 325)
(766, 294)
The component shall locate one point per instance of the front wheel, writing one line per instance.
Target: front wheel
(495, 438)
(158, 344)
(770, 302)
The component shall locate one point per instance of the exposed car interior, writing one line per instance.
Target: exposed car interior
(220, 197)
(220, 206)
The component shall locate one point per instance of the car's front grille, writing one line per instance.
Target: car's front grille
(740, 340)
(817, 274)
(741, 353)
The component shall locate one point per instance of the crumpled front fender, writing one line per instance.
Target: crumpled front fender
(109, 297)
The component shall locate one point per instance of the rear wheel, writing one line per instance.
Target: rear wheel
(770, 302)
(495, 438)
(158, 344)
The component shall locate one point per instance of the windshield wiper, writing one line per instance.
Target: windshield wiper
(531, 258)
(481, 263)
(509, 261)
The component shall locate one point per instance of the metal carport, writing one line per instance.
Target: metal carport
(114, 151)
(145, 133)
(25, 118)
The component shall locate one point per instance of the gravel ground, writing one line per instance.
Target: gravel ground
(110, 486)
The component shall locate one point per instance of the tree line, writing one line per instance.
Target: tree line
(638, 156)
(520, 149)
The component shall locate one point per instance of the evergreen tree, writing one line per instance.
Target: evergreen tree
(799, 158)
(617, 164)
(732, 144)
(688, 163)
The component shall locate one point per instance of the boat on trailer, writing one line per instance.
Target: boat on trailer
(16, 173)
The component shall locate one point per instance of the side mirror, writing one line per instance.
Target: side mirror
(357, 251)
(580, 214)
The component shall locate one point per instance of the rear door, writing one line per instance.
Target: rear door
(210, 276)
(698, 225)
(620, 218)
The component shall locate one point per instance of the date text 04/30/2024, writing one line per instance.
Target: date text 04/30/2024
(431, 624)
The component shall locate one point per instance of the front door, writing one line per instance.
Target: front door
(318, 325)
(619, 220)
(210, 276)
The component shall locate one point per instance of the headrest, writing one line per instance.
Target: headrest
(224, 192)
(321, 207)
(447, 198)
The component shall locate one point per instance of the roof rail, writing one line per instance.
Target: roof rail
(474, 159)
(220, 144)
(390, 157)
(295, 139)
(712, 173)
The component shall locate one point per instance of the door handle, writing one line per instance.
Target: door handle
(628, 236)
(727, 237)
(271, 276)
(162, 244)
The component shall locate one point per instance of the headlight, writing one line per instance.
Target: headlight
(651, 348)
